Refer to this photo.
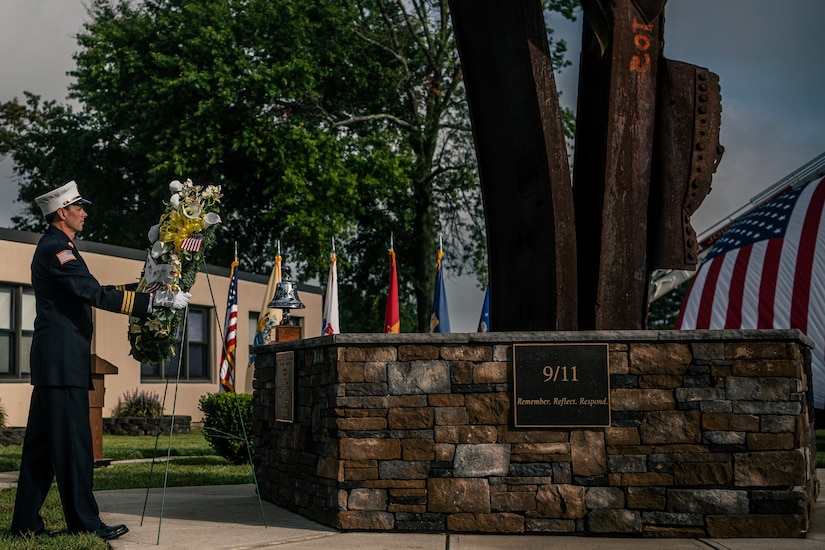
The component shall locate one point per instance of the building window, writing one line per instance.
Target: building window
(17, 312)
(194, 362)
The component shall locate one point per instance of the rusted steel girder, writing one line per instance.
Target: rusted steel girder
(687, 152)
(522, 157)
(613, 159)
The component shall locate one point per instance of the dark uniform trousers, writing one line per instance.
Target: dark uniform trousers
(58, 446)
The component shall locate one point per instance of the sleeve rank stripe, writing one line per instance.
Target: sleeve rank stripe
(128, 302)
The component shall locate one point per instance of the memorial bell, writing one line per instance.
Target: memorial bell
(286, 297)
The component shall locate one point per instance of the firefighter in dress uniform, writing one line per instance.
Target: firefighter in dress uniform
(58, 441)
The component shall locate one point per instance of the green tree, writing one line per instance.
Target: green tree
(319, 119)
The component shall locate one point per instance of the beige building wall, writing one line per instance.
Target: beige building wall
(117, 265)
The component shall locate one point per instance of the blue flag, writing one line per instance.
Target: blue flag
(484, 321)
(440, 319)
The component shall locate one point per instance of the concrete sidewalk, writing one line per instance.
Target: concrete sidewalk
(229, 517)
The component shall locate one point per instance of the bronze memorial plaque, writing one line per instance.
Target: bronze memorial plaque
(561, 385)
(284, 386)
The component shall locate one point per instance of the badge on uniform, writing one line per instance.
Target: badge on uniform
(65, 256)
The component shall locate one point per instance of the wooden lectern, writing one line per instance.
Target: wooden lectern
(100, 368)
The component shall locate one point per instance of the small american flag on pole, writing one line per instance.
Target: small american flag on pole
(767, 271)
(193, 243)
(227, 371)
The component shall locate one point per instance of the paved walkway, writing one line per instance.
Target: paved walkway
(229, 517)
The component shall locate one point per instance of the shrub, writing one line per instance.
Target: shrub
(222, 426)
(3, 416)
(139, 403)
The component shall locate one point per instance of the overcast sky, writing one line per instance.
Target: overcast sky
(768, 55)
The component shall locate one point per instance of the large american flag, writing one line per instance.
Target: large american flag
(768, 271)
(230, 332)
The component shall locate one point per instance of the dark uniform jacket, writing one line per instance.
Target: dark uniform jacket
(65, 292)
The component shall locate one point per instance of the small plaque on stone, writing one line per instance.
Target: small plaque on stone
(561, 385)
(284, 386)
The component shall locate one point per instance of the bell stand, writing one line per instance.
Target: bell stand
(245, 438)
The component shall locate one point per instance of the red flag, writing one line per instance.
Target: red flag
(230, 331)
(392, 320)
(767, 271)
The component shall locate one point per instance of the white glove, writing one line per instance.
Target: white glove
(174, 300)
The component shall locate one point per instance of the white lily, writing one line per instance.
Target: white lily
(154, 231)
(192, 211)
(175, 200)
(175, 186)
(210, 218)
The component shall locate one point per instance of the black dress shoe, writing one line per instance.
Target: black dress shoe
(109, 532)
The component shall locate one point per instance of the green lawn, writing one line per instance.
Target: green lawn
(200, 467)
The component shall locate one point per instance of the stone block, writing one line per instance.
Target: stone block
(350, 372)
(362, 424)
(699, 395)
(778, 424)
(481, 460)
(766, 407)
(588, 454)
(618, 362)
(757, 350)
(614, 521)
(668, 532)
(488, 408)
(369, 448)
(702, 473)
(461, 372)
(454, 496)
(625, 463)
(367, 499)
(730, 422)
(724, 438)
(660, 381)
(490, 372)
(646, 498)
(465, 434)
(382, 353)
(770, 442)
(659, 358)
(475, 354)
(446, 400)
(410, 418)
(451, 416)
(604, 497)
(621, 436)
(417, 352)
(540, 452)
(708, 351)
(756, 525)
(767, 367)
(418, 449)
(641, 400)
(375, 371)
(444, 452)
(560, 502)
(486, 523)
(643, 479)
(770, 468)
(707, 501)
(365, 521)
(742, 388)
(418, 377)
(669, 427)
(330, 468)
(539, 525)
(513, 501)
(403, 469)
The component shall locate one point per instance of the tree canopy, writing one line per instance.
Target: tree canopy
(321, 120)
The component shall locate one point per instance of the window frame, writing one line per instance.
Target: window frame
(17, 333)
(165, 372)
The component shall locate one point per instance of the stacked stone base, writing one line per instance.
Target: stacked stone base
(138, 425)
(711, 435)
